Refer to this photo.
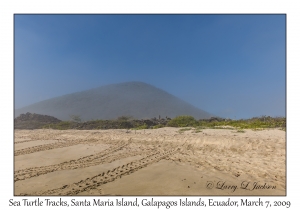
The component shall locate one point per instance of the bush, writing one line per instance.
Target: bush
(63, 125)
(158, 126)
(182, 121)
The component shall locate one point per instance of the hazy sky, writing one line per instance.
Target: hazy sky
(229, 65)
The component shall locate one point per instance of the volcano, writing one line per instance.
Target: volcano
(136, 99)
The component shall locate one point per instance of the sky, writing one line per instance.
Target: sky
(233, 66)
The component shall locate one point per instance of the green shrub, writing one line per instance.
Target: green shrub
(63, 125)
(158, 126)
(253, 123)
(183, 121)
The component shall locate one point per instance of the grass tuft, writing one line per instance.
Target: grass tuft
(240, 131)
(141, 127)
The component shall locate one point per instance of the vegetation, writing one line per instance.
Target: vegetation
(125, 118)
(198, 129)
(255, 123)
(180, 121)
(64, 125)
(240, 131)
(183, 121)
(140, 127)
(34, 121)
(283, 128)
(184, 129)
(158, 126)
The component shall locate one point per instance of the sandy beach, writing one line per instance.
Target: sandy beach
(164, 161)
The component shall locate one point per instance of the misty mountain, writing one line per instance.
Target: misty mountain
(136, 99)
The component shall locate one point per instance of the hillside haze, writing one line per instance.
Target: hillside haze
(136, 99)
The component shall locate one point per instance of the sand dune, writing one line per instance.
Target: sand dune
(163, 161)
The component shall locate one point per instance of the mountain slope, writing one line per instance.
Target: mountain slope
(136, 99)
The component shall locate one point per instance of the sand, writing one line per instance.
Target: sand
(165, 161)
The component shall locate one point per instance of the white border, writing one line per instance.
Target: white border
(9, 8)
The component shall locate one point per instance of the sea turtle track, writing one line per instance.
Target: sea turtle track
(105, 156)
(20, 142)
(51, 146)
(108, 176)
